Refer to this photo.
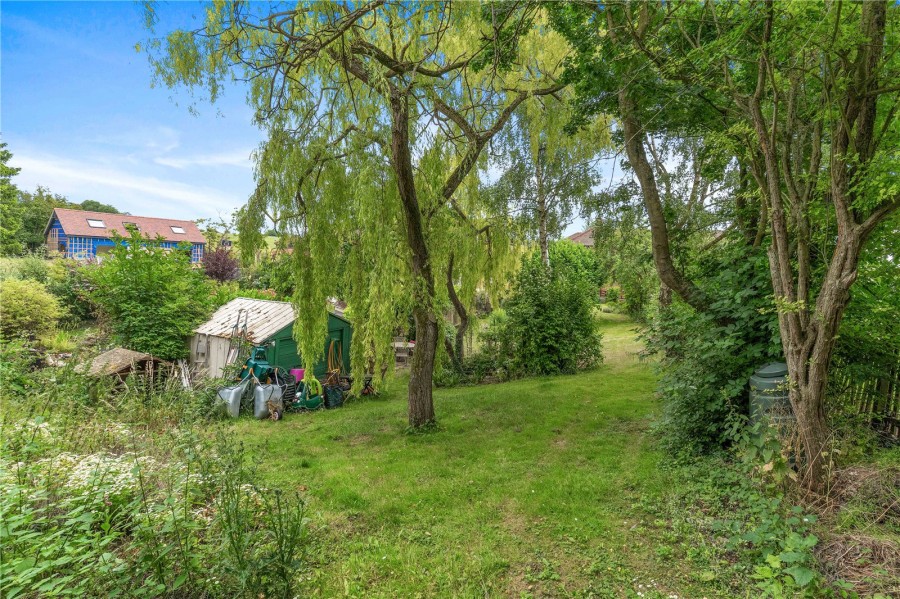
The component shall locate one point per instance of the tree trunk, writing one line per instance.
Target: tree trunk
(659, 231)
(421, 372)
(459, 347)
(665, 296)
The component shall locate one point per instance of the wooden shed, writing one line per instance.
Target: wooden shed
(269, 323)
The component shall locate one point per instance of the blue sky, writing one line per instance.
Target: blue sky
(81, 118)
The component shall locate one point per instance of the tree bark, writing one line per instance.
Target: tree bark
(459, 346)
(808, 339)
(421, 404)
(659, 232)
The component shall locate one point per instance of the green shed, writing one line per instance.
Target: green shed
(284, 351)
(268, 323)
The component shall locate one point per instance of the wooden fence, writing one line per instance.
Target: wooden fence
(876, 399)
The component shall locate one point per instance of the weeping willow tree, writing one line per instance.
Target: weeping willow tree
(376, 115)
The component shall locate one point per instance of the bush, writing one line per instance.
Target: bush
(34, 266)
(573, 260)
(27, 309)
(67, 280)
(152, 296)
(273, 271)
(221, 265)
(706, 359)
(551, 328)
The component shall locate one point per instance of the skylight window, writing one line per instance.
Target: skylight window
(178, 230)
(130, 226)
(95, 223)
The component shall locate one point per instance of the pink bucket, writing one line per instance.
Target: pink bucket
(297, 373)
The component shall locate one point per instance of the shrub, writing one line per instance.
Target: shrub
(16, 364)
(152, 296)
(221, 265)
(551, 327)
(573, 260)
(706, 359)
(34, 266)
(27, 309)
(68, 281)
(273, 271)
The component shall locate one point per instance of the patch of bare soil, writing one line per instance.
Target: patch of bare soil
(870, 564)
(862, 557)
(359, 440)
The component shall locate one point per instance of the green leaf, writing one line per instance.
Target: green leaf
(802, 576)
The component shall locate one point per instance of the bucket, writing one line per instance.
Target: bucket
(298, 373)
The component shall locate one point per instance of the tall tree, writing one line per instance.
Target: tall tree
(95, 206)
(36, 210)
(376, 113)
(10, 211)
(548, 174)
(804, 96)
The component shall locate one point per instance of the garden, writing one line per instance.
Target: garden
(579, 416)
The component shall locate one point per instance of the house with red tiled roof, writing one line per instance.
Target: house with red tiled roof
(585, 238)
(84, 235)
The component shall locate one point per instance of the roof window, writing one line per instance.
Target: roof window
(95, 223)
(178, 230)
(130, 226)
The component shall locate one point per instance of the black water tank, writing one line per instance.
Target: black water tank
(769, 394)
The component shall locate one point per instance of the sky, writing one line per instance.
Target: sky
(80, 113)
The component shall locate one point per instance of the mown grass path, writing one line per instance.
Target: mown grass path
(528, 488)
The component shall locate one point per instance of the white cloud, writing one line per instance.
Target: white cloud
(146, 140)
(137, 193)
(238, 158)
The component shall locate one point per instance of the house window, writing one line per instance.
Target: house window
(178, 230)
(95, 223)
(131, 227)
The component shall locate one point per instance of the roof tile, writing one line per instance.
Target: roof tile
(75, 223)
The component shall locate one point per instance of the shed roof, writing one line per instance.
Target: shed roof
(117, 360)
(264, 318)
(75, 222)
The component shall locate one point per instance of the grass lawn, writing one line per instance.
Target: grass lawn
(528, 488)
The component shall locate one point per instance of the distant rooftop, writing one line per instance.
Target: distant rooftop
(585, 238)
(82, 223)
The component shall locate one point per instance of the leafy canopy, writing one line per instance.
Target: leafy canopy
(375, 114)
(151, 296)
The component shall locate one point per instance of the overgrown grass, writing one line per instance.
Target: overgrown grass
(536, 487)
(126, 490)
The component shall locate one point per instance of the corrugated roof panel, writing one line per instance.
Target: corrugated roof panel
(264, 318)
